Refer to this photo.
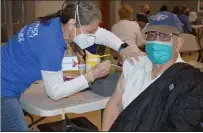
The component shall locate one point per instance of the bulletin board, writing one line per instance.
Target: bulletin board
(200, 6)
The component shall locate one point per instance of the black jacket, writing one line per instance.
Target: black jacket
(174, 102)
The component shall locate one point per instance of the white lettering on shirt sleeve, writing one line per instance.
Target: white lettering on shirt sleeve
(33, 29)
(21, 37)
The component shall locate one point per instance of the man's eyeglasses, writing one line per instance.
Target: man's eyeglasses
(151, 36)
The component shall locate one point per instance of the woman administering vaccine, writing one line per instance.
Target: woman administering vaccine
(36, 53)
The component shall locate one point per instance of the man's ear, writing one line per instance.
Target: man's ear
(179, 44)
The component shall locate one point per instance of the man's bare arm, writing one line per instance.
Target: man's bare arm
(114, 106)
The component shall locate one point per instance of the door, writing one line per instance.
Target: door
(15, 15)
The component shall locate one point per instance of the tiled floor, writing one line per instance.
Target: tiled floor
(95, 117)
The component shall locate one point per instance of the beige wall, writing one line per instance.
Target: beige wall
(114, 6)
(46, 7)
(43, 8)
(156, 4)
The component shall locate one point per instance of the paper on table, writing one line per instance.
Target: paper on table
(70, 63)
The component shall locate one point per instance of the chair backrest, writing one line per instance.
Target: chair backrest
(190, 43)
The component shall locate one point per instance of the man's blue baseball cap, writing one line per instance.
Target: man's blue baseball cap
(164, 22)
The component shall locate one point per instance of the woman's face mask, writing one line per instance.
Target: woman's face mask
(83, 40)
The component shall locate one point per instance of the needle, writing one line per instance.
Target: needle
(105, 55)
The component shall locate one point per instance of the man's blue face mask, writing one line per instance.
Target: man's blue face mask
(159, 52)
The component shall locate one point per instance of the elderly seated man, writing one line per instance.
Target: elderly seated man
(159, 92)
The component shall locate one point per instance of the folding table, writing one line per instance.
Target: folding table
(35, 101)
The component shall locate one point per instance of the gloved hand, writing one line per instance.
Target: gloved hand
(100, 70)
(131, 51)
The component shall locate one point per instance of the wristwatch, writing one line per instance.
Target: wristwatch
(123, 46)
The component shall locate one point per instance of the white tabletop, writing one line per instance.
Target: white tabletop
(197, 26)
(35, 101)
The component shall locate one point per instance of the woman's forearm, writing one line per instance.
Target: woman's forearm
(56, 88)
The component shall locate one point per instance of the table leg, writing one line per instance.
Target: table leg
(32, 119)
(69, 125)
(102, 113)
(200, 57)
(29, 115)
(63, 125)
(72, 127)
(199, 36)
(37, 121)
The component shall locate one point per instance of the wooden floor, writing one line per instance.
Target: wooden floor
(95, 117)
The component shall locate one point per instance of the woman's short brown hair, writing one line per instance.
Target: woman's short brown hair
(126, 12)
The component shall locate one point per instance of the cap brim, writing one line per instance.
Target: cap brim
(162, 28)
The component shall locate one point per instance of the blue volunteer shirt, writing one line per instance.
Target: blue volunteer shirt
(34, 48)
